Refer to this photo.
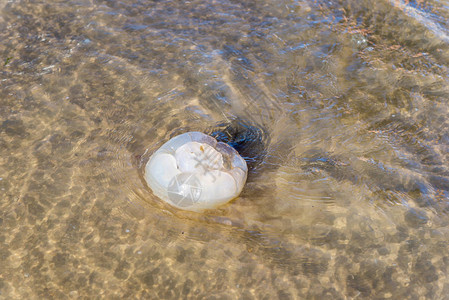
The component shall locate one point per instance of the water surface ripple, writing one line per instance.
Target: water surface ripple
(348, 191)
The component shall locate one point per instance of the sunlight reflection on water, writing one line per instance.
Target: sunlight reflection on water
(348, 190)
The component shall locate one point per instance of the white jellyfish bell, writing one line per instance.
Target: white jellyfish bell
(193, 171)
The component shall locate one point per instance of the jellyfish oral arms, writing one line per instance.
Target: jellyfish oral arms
(193, 171)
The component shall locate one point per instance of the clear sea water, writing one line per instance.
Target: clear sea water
(350, 201)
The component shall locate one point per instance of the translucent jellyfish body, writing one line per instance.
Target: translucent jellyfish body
(193, 171)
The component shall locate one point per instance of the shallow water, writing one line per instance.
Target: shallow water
(350, 199)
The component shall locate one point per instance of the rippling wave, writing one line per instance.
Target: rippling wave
(339, 108)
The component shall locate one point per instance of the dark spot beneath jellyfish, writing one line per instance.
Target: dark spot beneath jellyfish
(250, 140)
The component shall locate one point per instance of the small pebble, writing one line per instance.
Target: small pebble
(73, 294)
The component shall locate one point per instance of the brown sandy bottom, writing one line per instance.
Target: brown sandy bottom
(350, 200)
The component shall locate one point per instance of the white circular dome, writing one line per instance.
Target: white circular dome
(193, 171)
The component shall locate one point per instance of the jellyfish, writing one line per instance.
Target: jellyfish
(193, 171)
